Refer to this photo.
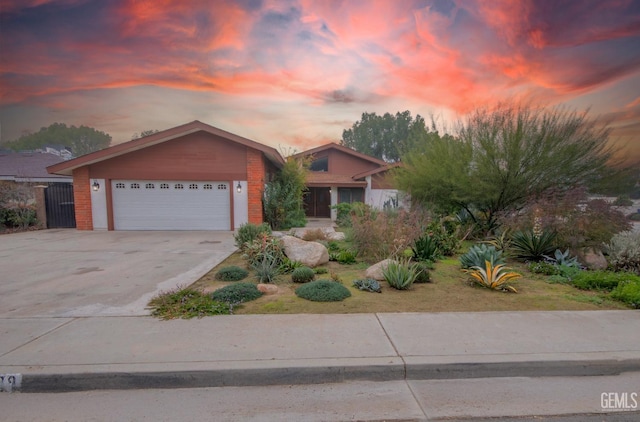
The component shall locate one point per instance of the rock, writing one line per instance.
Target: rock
(310, 254)
(268, 289)
(375, 271)
(329, 232)
(592, 259)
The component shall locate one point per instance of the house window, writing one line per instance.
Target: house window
(222, 186)
(135, 186)
(150, 186)
(207, 186)
(320, 164)
(120, 185)
(350, 195)
(178, 186)
(164, 186)
(193, 186)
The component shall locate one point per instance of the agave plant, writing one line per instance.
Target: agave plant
(480, 253)
(493, 276)
(425, 248)
(530, 246)
(400, 275)
(563, 258)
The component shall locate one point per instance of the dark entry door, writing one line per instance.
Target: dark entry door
(58, 200)
(317, 203)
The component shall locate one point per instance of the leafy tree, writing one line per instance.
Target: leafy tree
(283, 197)
(144, 133)
(503, 158)
(80, 140)
(384, 137)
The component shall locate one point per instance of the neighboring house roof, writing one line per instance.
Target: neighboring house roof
(29, 167)
(333, 145)
(67, 167)
(321, 179)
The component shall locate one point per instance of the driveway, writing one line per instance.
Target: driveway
(70, 273)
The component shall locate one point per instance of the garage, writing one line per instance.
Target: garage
(171, 205)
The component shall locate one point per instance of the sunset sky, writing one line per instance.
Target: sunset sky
(295, 73)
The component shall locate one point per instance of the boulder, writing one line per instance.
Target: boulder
(310, 254)
(592, 259)
(268, 289)
(375, 271)
(329, 232)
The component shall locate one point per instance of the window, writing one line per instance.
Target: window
(207, 186)
(164, 186)
(193, 186)
(150, 186)
(222, 186)
(120, 185)
(178, 186)
(135, 186)
(350, 195)
(320, 164)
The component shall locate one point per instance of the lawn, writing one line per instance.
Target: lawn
(449, 291)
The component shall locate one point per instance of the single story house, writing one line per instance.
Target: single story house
(339, 174)
(29, 167)
(191, 177)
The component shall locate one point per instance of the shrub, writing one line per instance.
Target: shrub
(346, 257)
(480, 253)
(287, 266)
(445, 234)
(422, 271)
(634, 217)
(501, 242)
(400, 275)
(320, 270)
(628, 292)
(343, 214)
(624, 252)
(264, 247)
(543, 267)
(425, 248)
(623, 201)
(237, 293)
(529, 246)
(302, 275)
(185, 302)
(493, 276)
(368, 284)
(248, 232)
(266, 270)
(282, 200)
(602, 280)
(232, 273)
(323, 291)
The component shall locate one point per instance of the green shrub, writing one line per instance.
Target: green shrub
(343, 214)
(302, 275)
(445, 233)
(346, 257)
(248, 232)
(185, 302)
(422, 271)
(602, 280)
(634, 217)
(368, 284)
(400, 275)
(628, 292)
(323, 291)
(232, 273)
(623, 201)
(479, 253)
(543, 267)
(425, 248)
(529, 246)
(320, 270)
(237, 293)
(288, 266)
(624, 252)
(266, 270)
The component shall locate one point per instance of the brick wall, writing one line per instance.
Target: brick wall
(255, 182)
(82, 198)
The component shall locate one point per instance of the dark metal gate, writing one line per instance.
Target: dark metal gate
(58, 200)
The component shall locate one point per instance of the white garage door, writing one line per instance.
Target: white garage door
(170, 205)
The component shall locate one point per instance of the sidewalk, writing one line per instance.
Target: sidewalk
(75, 354)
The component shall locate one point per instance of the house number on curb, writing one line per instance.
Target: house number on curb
(9, 382)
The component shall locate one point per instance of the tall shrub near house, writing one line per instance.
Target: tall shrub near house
(283, 196)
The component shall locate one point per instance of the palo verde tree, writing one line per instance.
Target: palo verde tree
(283, 200)
(81, 140)
(504, 157)
(383, 137)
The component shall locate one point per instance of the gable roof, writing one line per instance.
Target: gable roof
(341, 148)
(67, 167)
(29, 167)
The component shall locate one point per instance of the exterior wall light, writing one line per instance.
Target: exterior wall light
(95, 186)
(239, 188)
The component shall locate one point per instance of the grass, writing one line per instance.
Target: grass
(450, 291)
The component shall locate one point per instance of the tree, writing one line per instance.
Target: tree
(80, 140)
(144, 133)
(384, 137)
(503, 158)
(283, 197)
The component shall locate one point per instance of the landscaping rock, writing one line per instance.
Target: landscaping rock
(375, 271)
(268, 289)
(592, 259)
(310, 254)
(329, 232)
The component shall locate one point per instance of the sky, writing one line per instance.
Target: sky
(293, 74)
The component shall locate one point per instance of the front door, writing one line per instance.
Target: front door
(317, 202)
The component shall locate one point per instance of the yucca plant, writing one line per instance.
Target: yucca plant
(493, 276)
(529, 246)
(400, 275)
(480, 253)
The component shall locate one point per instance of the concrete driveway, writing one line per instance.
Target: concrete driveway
(70, 273)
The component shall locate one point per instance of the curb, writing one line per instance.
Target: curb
(243, 377)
